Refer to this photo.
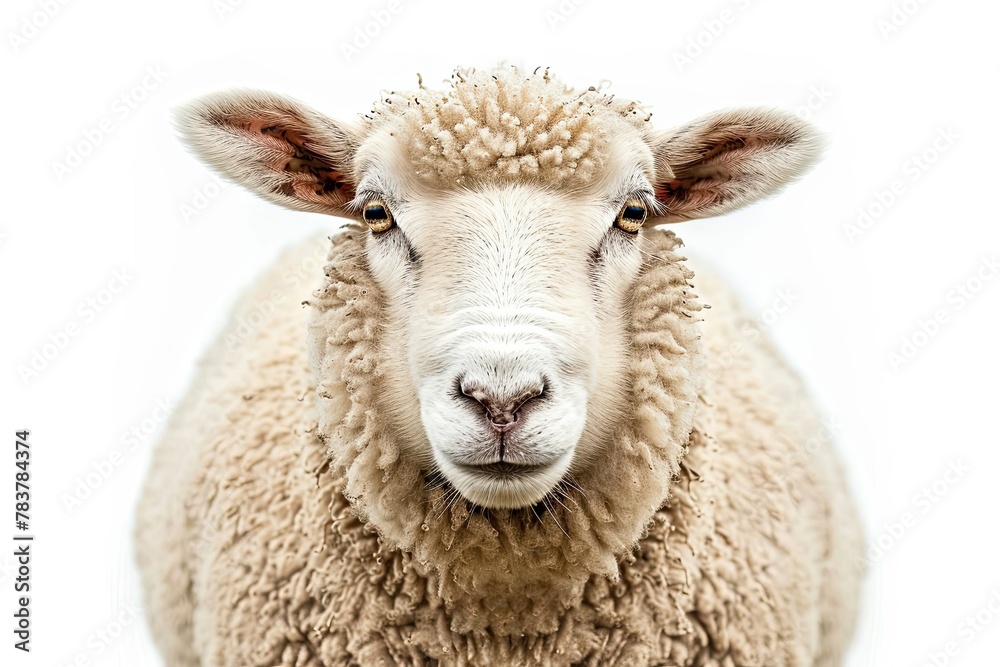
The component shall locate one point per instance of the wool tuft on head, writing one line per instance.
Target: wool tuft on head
(505, 123)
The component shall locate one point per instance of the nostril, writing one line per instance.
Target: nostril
(502, 411)
(521, 399)
(502, 418)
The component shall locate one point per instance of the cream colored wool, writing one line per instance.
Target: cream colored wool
(505, 123)
(287, 519)
(252, 554)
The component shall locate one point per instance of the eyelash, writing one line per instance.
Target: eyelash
(363, 198)
(648, 199)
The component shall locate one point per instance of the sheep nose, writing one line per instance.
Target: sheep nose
(503, 408)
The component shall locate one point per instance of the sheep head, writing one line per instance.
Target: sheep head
(502, 303)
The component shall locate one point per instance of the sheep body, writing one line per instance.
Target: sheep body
(266, 536)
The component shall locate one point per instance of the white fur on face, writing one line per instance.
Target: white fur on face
(508, 289)
(506, 283)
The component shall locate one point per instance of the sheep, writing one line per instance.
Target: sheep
(512, 424)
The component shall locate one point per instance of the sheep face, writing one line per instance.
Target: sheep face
(507, 301)
(505, 224)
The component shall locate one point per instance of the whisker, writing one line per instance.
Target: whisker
(555, 497)
(535, 512)
(569, 481)
(653, 255)
(450, 497)
(553, 514)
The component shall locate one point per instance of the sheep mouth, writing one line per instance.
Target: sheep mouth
(504, 484)
(502, 469)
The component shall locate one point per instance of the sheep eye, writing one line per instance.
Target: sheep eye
(377, 216)
(631, 217)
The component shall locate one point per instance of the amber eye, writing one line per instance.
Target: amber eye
(377, 216)
(631, 217)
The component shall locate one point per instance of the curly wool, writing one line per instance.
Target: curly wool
(511, 571)
(504, 124)
(732, 544)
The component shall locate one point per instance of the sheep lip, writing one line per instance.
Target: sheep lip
(502, 469)
(505, 484)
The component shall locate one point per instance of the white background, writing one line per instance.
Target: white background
(883, 91)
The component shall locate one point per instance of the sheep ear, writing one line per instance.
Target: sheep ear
(275, 147)
(730, 159)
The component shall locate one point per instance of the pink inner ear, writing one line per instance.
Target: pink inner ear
(685, 195)
(288, 151)
(702, 179)
(733, 144)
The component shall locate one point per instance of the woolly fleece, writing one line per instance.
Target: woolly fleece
(281, 524)
(504, 123)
